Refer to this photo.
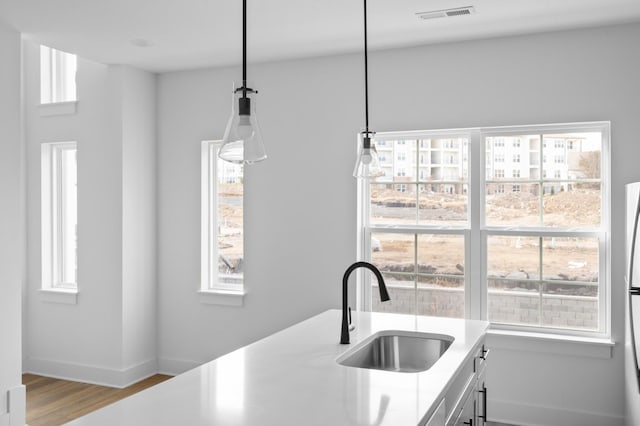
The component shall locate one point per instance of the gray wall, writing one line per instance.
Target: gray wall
(300, 204)
(109, 336)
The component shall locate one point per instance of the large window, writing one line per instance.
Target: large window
(222, 222)
(59, 215)
(57, 76)
(455, 243)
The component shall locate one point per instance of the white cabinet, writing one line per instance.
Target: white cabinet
(467, 397)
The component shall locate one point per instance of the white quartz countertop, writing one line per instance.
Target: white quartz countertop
(292, 378)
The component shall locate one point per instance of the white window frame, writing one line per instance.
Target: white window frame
(213, 289)
(54, 253)
(477, 232)
(365, 230)
(57, 76)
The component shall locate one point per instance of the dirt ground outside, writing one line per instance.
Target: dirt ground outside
(569, 265)
(562, 265)
(230, 227)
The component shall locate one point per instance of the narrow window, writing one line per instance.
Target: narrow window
(57, 76)
(222, 243)
(59, 215)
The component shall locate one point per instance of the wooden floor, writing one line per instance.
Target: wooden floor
(52, 402)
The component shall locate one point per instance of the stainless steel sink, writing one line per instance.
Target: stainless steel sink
(401, 351)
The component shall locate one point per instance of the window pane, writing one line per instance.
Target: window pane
(512, 203)
(570, 271)
(442, 203)
(230, 222)
(394, 255)
(508, 153)
(441, 275)
(575, 155)
(393, 204)
(443, 159)
(513, 257)
(424, 181)
(513, 273)
(565, 295)
(393, 252)
(570, 259)
(514, 302)
(443, 172)
(69, 220)
(572, 204)
(397, 160)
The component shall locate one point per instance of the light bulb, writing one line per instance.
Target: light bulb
(366, 156)
(245, 130)
(368, 164)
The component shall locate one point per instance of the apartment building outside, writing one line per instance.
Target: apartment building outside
(518, 160)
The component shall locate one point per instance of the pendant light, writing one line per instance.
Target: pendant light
(367, 164)
(242, 141)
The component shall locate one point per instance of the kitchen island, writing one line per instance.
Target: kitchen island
(292, 378)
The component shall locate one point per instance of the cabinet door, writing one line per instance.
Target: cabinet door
(438, 417)
(467, 414)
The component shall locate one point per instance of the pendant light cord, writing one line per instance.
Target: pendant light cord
(244, 48)
(366, 74)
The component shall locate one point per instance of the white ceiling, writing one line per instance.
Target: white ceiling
(165, 35)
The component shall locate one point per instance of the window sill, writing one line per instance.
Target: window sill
(222, 297)
(58, 108)
(588, 347)
(66, 296)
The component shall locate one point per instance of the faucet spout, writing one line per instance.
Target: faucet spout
(384, 295)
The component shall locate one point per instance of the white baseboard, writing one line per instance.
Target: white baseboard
(173, 367)
(535, 415)
(118, 378)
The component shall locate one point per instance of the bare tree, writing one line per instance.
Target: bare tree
(590, 164)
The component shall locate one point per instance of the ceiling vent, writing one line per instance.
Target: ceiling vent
(446, 13)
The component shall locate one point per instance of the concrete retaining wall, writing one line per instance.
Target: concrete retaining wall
(509, 307)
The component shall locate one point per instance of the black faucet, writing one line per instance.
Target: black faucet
(346, 318)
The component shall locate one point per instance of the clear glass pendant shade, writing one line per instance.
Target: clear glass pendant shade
(242, 141)
(368, 163)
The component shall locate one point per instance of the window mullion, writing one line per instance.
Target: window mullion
(475, 283)
(416, 269)
(541, 178)
(541, 283)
